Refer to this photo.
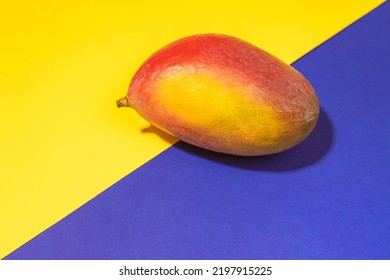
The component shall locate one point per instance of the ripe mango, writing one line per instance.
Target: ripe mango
(223, 94)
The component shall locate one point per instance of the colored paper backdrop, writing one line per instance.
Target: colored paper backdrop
(64, 143)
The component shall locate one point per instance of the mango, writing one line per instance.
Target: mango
(223, 94)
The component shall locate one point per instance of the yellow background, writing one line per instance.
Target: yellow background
(64, 64)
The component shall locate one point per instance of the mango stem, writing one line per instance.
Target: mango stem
(123, 102)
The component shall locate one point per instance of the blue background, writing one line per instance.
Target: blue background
(328, 198)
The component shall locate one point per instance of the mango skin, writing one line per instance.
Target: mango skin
(223, 94)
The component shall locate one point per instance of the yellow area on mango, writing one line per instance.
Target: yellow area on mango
(198, 97)
(63, 66)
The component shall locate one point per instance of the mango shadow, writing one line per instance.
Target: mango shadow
(162, 134)
(307, 153)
